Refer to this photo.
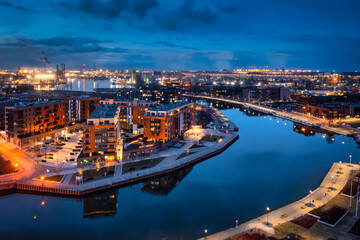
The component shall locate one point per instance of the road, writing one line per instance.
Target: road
(292, 116)
(28, 168)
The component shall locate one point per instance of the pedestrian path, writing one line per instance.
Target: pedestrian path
(316, 198)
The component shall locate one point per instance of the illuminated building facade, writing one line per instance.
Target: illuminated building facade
(131, 114)
(161, 95)
(78, 108)
(168, 121)
(252, 93)
(101, 132)
(25, 119)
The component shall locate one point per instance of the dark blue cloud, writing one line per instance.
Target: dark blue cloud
(172, 45)
(6, 4)
(113, 8)
(183, 34)
(187, 15)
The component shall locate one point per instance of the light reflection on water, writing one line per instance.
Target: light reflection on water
(271, 164)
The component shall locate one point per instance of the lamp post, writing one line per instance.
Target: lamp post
(205, 233)
(340, 165)
(351, 182)
(310, 196)
(350, 158)
(267, 216)
(237, 223)
(357, 200)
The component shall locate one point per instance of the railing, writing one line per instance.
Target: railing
(51, 187)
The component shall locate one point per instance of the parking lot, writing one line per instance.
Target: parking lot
(60, 152)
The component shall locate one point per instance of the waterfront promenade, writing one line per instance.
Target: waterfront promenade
(317, 198)
(174, 159)
(292, 116)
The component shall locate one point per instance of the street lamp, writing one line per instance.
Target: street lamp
(205, 233)
(237, 223)
(267, 216)
(340, 165)
(310, 196)
(350, 158)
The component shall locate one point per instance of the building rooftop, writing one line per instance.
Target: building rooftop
(34, 104)
(105, 111)
(58, 95)
(168, 107)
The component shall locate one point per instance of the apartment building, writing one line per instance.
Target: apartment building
(167, 121)
(101, 132)
(24, 119)
(78, 108)
(131, 113)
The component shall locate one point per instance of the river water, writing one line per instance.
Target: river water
(270, 165)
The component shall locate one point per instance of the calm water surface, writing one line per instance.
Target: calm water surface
(270, 165)
(87, 85)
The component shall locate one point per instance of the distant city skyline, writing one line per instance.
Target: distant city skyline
(181, 35)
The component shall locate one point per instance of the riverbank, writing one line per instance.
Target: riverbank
(292, 116)
(319, 197)
(174, 159)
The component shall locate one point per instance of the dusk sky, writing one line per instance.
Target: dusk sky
(182, 34)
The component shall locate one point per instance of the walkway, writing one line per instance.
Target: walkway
(171, 163)
(28, 168)
(292, 116)
(320, 196)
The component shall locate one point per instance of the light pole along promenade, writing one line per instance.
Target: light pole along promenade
(267, 222)
(292, 116)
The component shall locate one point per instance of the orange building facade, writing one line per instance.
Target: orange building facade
(25, 119)
(168, 121)
(78, 108)
(131, 114)
(101, 132)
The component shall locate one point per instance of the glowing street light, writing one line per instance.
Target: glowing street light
(267, 215)
(205, 233)
(310, 196)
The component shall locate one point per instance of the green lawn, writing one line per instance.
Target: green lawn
(6, 166)
(134, 166)
(55, 178)
(95, 173)
(184, 155)
(210, 138)
(196, 146)
(317, 212)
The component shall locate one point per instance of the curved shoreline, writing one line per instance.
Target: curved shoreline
(299, 118)
(320, 196)
(99, 185)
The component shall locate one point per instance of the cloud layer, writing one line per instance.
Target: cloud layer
(184, 34)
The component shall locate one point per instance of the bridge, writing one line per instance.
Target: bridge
(291, 116)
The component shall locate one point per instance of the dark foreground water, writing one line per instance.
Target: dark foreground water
(270, 165)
